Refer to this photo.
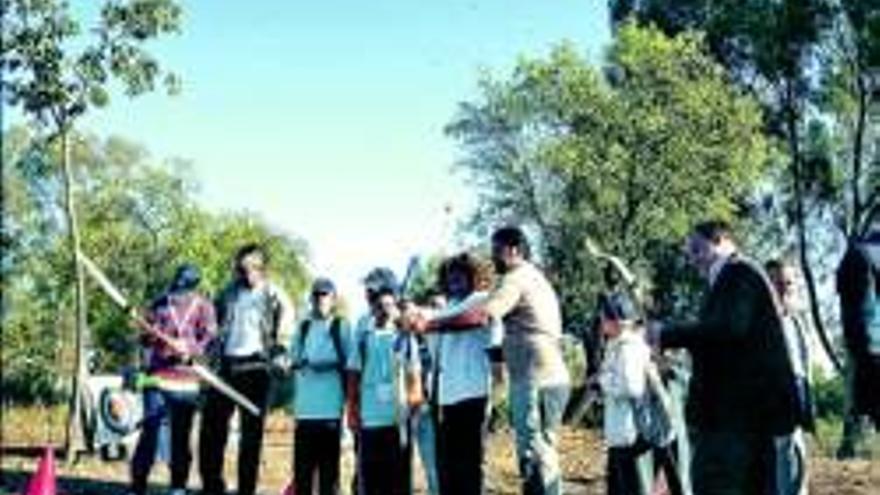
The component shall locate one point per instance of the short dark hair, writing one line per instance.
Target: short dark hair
(385, 291)
(511, 236)
(774, 265)
(249, 249)
(777, 264)
(611, 275)
(713, 230)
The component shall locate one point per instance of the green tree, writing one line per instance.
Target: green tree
(849, 93)
(814, 66)
(54, 74)
(139, 220)
(626, 156)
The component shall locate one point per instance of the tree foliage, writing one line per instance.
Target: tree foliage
(813, 61)
(628, 155)
(55, 71)
(139, 219)
(814, 65)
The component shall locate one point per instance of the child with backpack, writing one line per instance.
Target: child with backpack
(636, 413)
(384, 384)
(320, 350)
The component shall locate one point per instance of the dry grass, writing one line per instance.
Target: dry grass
(583, 462)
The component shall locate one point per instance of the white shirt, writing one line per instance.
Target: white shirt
(715, 269)
(249, 311)
(796, 343)
(623, 378)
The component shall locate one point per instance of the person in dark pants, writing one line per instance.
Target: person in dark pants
(792, 474)
(858, 285)
(187, 319)
(255, 316)
(463, 382)
(383, 384)
(623, 377)
(527, 305)
(742, 391)
(319, 350)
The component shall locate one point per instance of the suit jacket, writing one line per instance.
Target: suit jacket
(742, 379)
(854, 282)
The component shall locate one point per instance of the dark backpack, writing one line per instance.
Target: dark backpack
(335, 337)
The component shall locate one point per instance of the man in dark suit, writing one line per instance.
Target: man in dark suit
(742, 390)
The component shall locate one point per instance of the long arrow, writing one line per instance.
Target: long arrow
(202, 372)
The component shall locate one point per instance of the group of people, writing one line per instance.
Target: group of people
(422, 372)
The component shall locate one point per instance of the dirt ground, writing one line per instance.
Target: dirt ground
(582, 458)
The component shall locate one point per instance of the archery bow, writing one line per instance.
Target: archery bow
(201, 371)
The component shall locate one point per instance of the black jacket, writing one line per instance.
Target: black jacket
(742, 378)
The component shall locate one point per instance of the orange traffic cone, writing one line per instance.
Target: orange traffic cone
(43, 480)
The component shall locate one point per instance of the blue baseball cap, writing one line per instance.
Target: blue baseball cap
(187, 277)
(323, 285)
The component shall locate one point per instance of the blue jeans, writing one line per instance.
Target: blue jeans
(180, 408)
(791, 463)
(536, 413)
(425, 439)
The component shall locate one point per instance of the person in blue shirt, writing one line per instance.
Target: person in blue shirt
(320, 347)
(384, 384)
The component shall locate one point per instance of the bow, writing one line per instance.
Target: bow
(202, 372)
(628, 276)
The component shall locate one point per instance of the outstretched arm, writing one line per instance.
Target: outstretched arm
(479, 311)
(727, 319)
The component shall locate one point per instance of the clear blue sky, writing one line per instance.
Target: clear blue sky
(326, 116)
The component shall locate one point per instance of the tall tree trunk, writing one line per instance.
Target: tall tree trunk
(74, 432)
(800, 223)
(857, 154)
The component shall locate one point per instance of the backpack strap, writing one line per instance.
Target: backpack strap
(336, 339)
(362, 348)
(303, 334)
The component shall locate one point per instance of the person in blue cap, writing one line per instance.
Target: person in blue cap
(187, 318)
(320, 348)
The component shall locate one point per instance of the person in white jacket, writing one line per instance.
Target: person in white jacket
(628, 376)
(622, 377)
